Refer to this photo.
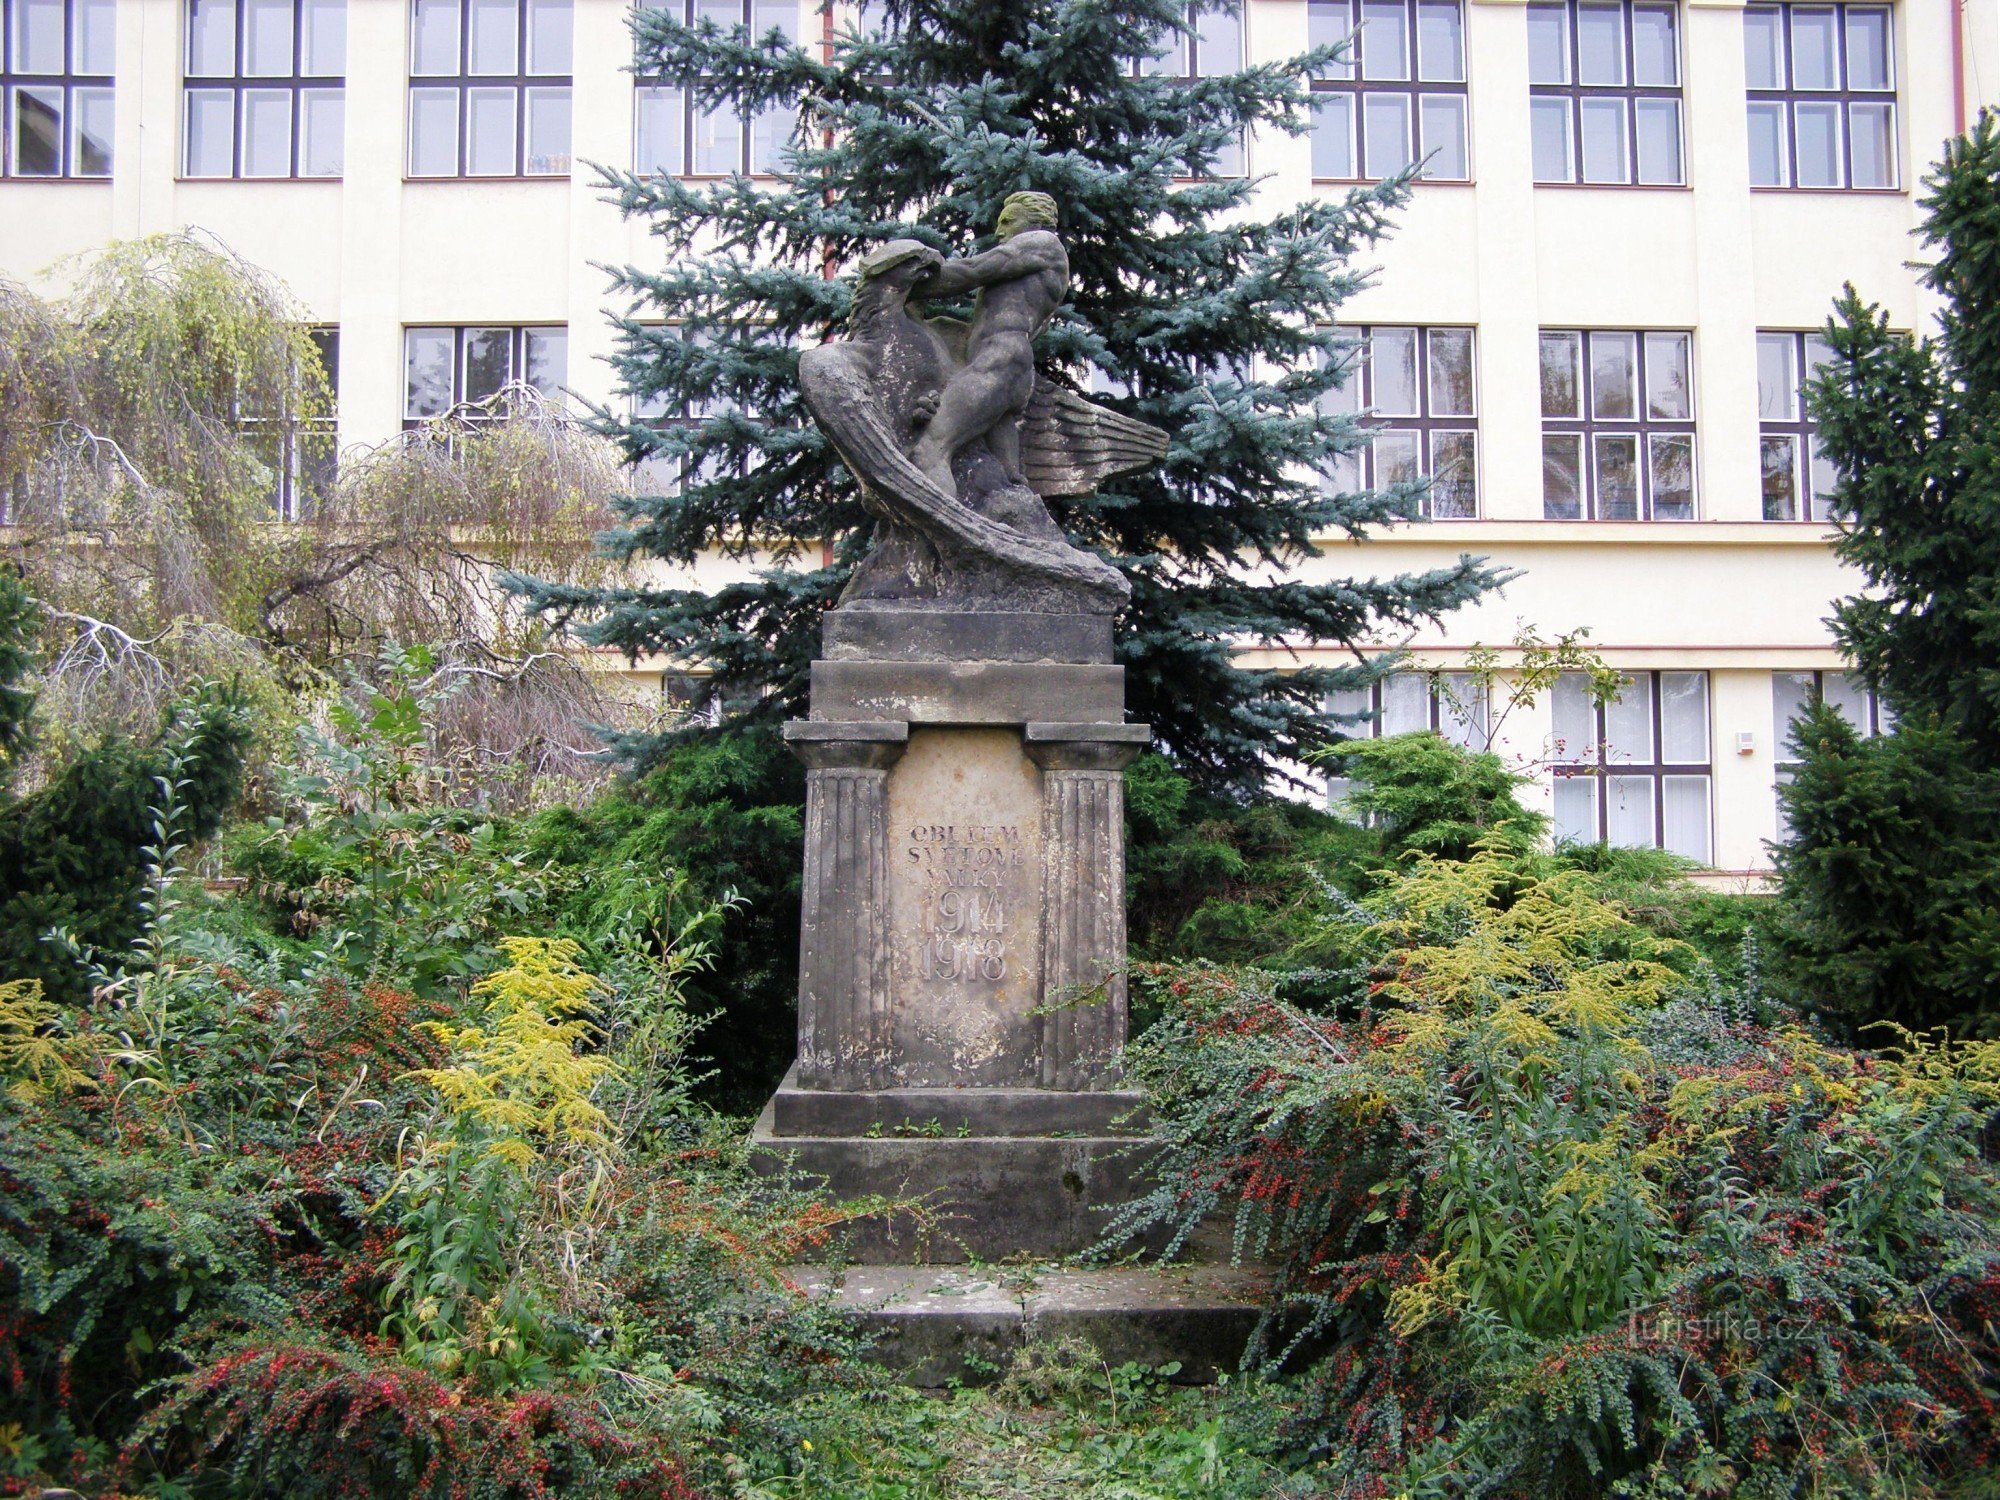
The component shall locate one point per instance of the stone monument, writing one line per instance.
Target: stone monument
(962, 990)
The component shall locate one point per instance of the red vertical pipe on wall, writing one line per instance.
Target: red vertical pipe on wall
(1958, 67)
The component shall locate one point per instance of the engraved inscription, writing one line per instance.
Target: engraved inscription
(966, 872)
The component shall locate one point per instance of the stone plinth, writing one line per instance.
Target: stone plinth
(962, 987)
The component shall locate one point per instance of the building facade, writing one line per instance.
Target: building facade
(1589, 327)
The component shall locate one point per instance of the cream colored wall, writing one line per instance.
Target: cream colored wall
(1730, 593)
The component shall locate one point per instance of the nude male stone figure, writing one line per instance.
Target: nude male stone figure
(1021, 282)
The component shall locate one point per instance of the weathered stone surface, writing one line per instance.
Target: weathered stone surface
(889, 634)
(936, 1326)
(977, 692)
(913, 1112)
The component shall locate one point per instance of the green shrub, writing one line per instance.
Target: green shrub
(1422, 793)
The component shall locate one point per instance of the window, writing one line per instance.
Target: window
(264, 95)
(1617, 426)
(489, 88)
(55, 87)
(1605, 92)
(1798, 477)
(1417, 385)
(1452, 704)
(1822, 96)
(1635, 771)
(303, 454)
(1401, 100)
(662, 473)
(675, 136)
(1211, 47)
(444, 368)
(1792, 691)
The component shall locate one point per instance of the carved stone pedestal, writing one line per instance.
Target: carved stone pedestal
(962, 999)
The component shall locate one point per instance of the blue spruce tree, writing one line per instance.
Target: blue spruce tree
(1191, 308)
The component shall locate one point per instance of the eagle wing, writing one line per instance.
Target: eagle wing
(1070, 445)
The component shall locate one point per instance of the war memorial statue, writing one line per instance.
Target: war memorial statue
(962, 949)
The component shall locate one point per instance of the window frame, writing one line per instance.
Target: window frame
(1789, 95)
(238, 84)
(458, 408)
(464, 83)
(73, 84)
(1590, 429)
(1427, 422)
(1784, 766)
(1599, 765)
(1182, 63)
(1799, 430)
(1437, 712)
(1630, 94)
(647, 87)
(1355, 86)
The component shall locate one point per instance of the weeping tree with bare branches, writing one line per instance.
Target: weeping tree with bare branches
(147, 420)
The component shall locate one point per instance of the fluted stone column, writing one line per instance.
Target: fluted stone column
(845, 1001)
(1083, 897)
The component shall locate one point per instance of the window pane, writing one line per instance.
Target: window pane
(1614, 376)
(1815, 49)
(1777, 383)
(433, 132)
(1393, 361)
(323, 47)
(1825, 477)
(1562, 476)
(427, 356)
(322, 132)
(547, 359)
(1871, 139)
(96, 36)
(267, 38)
(1781, 478)
(434, 37)
(90, 150)
(1604, 151)
(1327, 23)
(1454, 476)
(1551, 122)
(494, 43)
(1628, 722)
(1684, 718)
(661, 139)
(718, 141)
(1667, 377)
(1673, 476)
(549, 36)
(37, 138)
(767, 16)
(770, 135)
(1444, 137)
(1548, 44)
(1764, 48)
(1575, 719)
(489, 132)
(1386, 133)
(1576, 810)
(1451, 372)
(1656, 61)
(1818, 129)
(1559, 374)
(1847, 697)
(1628, 812)
(1768, 164)
(1867, 49)
(1616, 486)
(1461, 709)
(1395, 452)
(1333, 135)
(211, 132)
(1790, 693)
(1600, 44)
(1385, 44)
(548, 132)
(1659, 125)
(1440, 41)
(488, 362)
(267, 133)
(38, 38)
(1219, 41)
(1406, 703)
(211, 39)
(1684, 801)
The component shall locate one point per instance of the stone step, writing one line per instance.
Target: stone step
(931, 1113)
(935, 1325)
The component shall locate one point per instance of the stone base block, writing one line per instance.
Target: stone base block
(977, 692)
(913, 1113)
(994, 1195)
(936, 1326)
(859, 633)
